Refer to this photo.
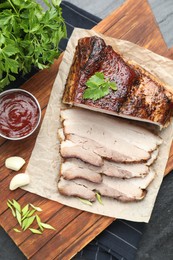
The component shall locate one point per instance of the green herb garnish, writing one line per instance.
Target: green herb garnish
(47, 226)
(98, 196)
(35, 208)
(17, 230)
(87, 202)
(11, 207)
(35, 231)
(26, 217)
(29, 36)
(98, 87)
(28, 222)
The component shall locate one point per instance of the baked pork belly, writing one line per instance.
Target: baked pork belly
(93, 137)
(87, 190)
(105, 155)
(118, 189)
(107, 129)
(70, 149)
(143, 183)
(94, 152)
(70, 188)
(139, 94)
(76, 168)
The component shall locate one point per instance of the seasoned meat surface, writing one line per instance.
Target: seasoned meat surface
(139, 94)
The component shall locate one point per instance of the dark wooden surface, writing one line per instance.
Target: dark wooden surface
(133, 21)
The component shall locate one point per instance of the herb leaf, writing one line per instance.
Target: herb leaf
(87, 202)
(98, 196)
(39, 222)
(18, 216)
(35, 231)
(47, 226)
(27, 222)
(98, 87)
(16, 230)
(35, 208)
(16, 205)
(25, 209)
(12, 210)
(96, 80)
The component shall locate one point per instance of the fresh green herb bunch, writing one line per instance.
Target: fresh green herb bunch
(29, 36)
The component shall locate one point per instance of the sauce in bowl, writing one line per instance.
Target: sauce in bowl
(19, 114)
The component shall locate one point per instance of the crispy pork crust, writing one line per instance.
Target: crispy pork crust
(139, 96)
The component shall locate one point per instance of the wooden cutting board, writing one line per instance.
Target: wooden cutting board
(133, 21)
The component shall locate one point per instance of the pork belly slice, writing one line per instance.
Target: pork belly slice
(79, 169)
(69, 149)
(153, 157)
(86, 190)
(115, 188)
(119, 151)
(74, 168)
(70, 188)
(143, 183)
(71, 171)
(104, 128)
(121, 170)
(140, 95)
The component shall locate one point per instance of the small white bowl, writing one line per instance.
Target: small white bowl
(20, 114)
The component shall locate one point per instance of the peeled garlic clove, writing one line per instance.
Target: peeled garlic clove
(14, 163)
(19, 180)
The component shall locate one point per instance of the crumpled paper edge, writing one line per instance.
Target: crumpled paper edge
(44, 163)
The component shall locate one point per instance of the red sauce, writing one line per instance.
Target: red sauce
(19, 114)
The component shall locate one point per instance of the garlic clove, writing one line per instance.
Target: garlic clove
(19, 180)
(14, 163)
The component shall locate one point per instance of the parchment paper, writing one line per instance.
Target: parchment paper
(44, 164)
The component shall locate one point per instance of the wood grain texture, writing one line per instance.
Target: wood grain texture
(134, 21)
(74, 228)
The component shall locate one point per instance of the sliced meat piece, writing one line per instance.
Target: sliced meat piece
(112, 169)
(120, 151)
(143, 183)
(154, 156)
(96, 126)
(121, 170)
(115, 188)
(115, 193)
(139, 95)
(70, 149)
(70, 188)
(71, 171)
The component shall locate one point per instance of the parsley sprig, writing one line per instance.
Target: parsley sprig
(29, 36)
(98, 87)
